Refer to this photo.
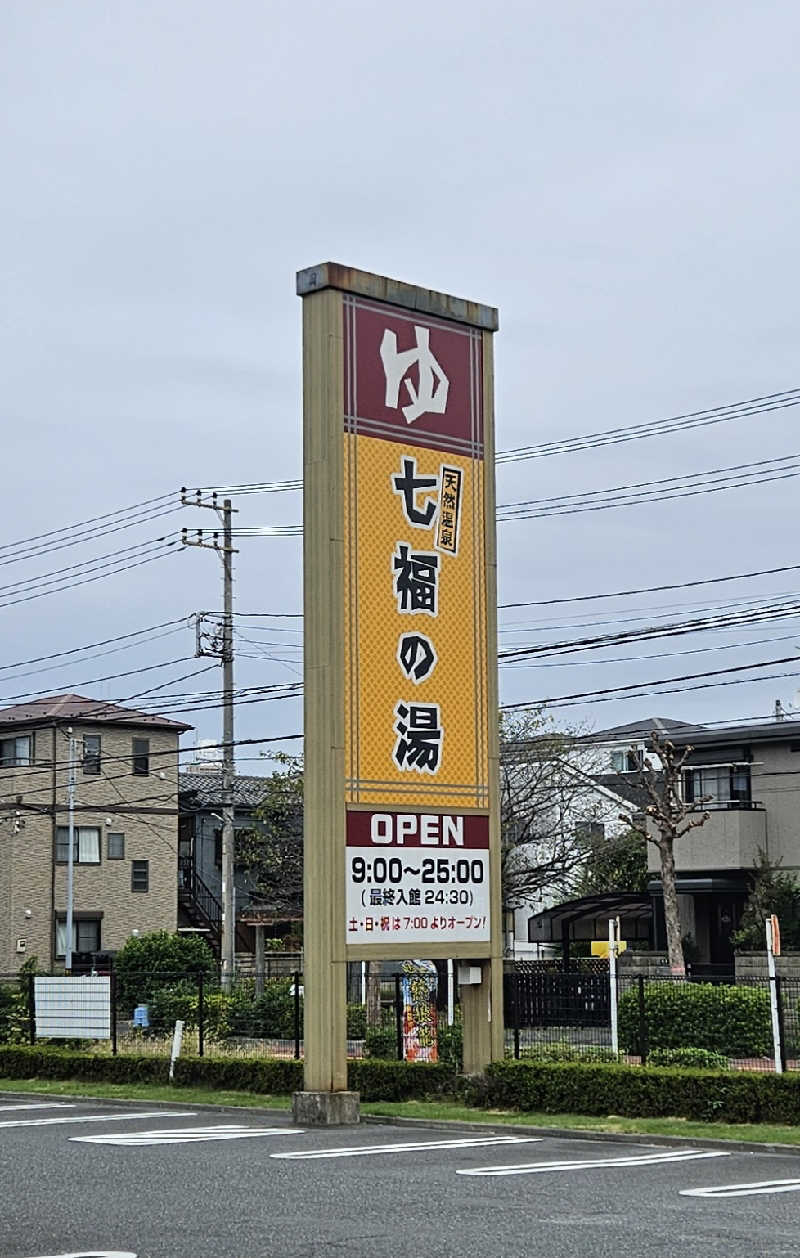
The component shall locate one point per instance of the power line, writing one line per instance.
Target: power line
(658, 655)
(90, 535)
(687, 485)
(66, 528)
(90, 646)
(170, 549)
(94, 681)
(598, 500)
(85, 565)
(677, 629)
(655, 428)
(562, 700)
(654, 589)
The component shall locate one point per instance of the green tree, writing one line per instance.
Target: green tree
(147, 963)
(773, 891)
(271, 852)
(615, 864)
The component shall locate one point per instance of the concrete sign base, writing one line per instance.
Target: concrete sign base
(326, 1109)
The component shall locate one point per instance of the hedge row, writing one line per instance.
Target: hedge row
(544, 1087)
(375, 1080)
(734, 1021)
(642, 1091)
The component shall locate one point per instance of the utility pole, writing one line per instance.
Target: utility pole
(71, 774)
(222, 648)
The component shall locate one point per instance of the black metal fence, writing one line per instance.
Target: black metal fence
(553, 1014)
(254, 1015)
(550, 1014)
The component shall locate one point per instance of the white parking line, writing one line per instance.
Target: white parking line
(745, 1190)
(539, 1168)
(41, 1105)
(97, 1118)
(364, 1150)
(95, 1253)
(184, 1135)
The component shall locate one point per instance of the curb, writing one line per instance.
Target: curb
(449, 1124)
(583, 1133)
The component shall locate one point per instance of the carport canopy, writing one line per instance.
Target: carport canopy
(587, 918)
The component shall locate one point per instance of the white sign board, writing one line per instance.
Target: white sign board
(73, 1008)
(417, 878)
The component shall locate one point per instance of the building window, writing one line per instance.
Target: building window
(91, 755)
(15, 752)
(718, 786)
(627, 761)
(86, 848)
(115, 850)
(85, 935)
(140, 875)
(590, 831)
(141, 757)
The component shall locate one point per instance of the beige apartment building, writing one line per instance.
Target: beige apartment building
(125, 770)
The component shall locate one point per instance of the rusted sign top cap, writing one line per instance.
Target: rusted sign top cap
(409, 296)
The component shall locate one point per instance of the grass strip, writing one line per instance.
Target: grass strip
(436, 1111)
(433, 1111)
(144, 1092)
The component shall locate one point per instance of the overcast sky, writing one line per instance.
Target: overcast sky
(620, 179)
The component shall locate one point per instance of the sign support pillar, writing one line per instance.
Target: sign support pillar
(401, 799)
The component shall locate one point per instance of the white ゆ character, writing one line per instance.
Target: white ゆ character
(431, 395)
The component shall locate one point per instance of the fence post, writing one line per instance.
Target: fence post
(201, 1013)
(515, 977)
(113, 994)
(31, 1010)
(612, 983)
(642, 1023)
(398, 1014)
(777, 1037)
(781, 1028)
(297, 1015)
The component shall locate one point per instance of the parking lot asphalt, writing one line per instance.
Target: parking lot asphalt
(177, 1182)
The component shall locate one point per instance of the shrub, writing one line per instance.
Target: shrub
(734, 1021)
(695, 1058)
(356, 1022)
(399, 1080)
(451, 1045)
(13, 1014)
(381, 1041)
(148, 963)
(268, 1016)
(568, 1052)
(375, 1080)
(633, 1091)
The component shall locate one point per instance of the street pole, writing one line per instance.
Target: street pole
(71, 850)
(228, 846)
(222, 649)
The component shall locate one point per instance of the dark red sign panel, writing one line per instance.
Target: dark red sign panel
(417, 829)
(412, 379)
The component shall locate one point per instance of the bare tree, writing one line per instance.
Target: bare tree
(548, 802)
(667, 818)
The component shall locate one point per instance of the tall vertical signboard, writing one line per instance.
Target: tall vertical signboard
(401, 824)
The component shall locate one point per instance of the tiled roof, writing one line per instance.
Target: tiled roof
(642, 729)
(206, 789)
(78, 708)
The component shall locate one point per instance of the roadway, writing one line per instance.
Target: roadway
(161, 1181)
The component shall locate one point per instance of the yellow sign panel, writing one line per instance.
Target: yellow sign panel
(415, 632)
(600, 947)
